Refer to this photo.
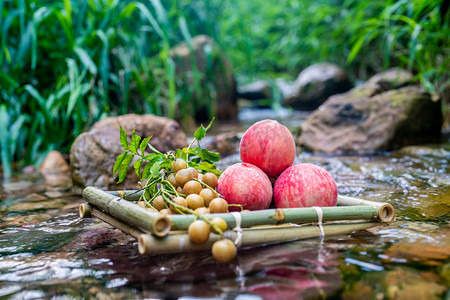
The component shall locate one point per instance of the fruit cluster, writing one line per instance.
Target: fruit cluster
(174, 184)
(194, 191)
(267, 151)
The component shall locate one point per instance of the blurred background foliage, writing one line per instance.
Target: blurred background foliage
(66, 64)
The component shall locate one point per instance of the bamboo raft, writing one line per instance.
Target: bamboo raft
(159, 234)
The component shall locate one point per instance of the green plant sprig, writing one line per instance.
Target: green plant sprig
(157, 165)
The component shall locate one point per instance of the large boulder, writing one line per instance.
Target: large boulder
(374, 117)
(315, 84)
(209, 79)
(94, 152)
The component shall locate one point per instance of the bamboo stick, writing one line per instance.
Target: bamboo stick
(175, 243)
(128, 212)
(348, 209)
(286, 215)
(95, 212)
(85, 210)
(385, 211)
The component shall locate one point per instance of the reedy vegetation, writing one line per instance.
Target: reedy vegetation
(67, 64)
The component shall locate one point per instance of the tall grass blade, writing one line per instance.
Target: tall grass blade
(86, 59)
(4, 143)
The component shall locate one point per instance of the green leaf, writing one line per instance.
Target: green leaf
(200, 133)
(144, 144)
(150, 156)
(135, 140)
(207, 167)
(154, 149)
(155, 170)
(124, 167)
(123, 138)
(209, 156)
(146, 171)
(205, 155)
(181, 153)
(166, 164)
(118, 162)
(137, 167)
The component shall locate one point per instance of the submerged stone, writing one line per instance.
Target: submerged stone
(428, 251)
(398, 283)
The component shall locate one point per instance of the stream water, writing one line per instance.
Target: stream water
(48, 252)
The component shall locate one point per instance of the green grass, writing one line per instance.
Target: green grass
(67, 64)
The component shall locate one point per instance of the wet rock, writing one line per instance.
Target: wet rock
(255, 91)
(217, 84)
(368, 118)
(37, 205)
(25, 220)
(424, 151)
(405, 283)
(286, 88)
(34, 197)
(28, 170)
(445, 273)
(15, 186)
(54, 194)
(399, 283)
(434, 251)
(91, 238)
(391, 79)
(53, 163)
(315, 84)
(93, 153)
(226, 143)
(58, 181)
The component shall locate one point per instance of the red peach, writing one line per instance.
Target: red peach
(305, 185)
(247, 185)
(269, 146)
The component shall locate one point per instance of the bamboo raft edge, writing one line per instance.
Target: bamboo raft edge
(159, 234)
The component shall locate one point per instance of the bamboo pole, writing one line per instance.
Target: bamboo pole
(176, 243)
(128, 212)
(87, 211)
(348, 209)
(385, 211)
(286, 215)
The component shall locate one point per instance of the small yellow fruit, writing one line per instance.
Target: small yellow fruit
(220, 223)
(207, 196)
(218, 206)
(210, 179)
(199, 232)
(194, 201)
(224, 251)
(159, 203)
(178, 164)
